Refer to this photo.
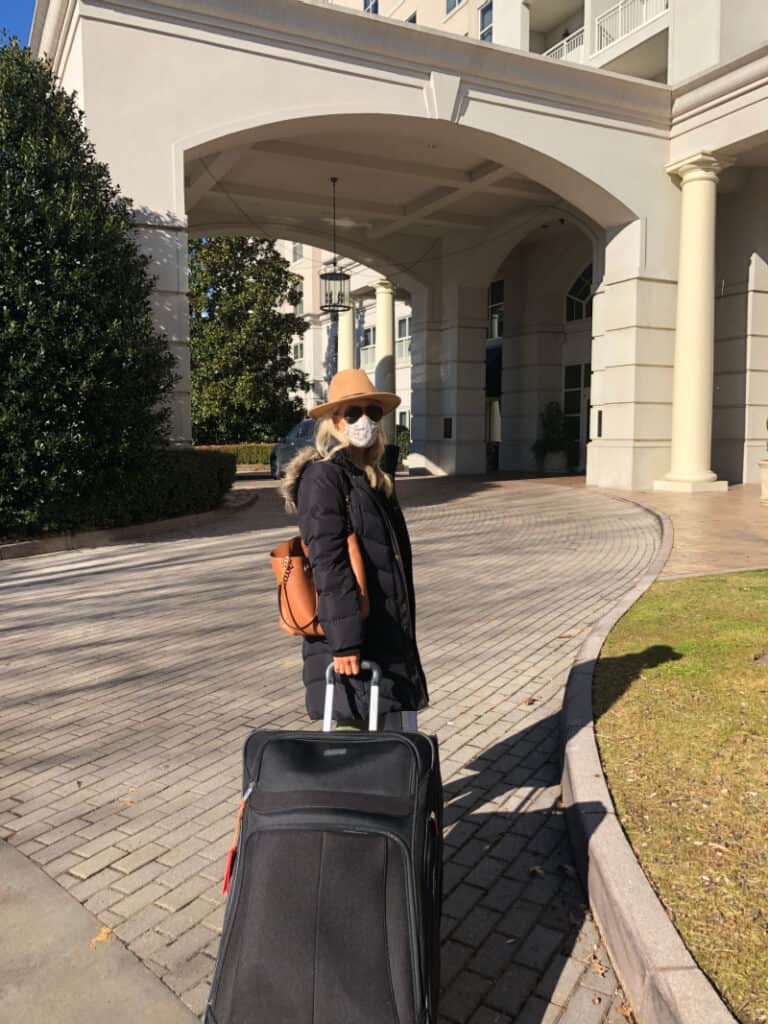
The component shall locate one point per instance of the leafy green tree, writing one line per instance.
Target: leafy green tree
(84, 376)
(243, 376)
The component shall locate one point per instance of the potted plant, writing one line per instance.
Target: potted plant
(550, 447)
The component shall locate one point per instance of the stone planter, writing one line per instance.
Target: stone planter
(763, 464)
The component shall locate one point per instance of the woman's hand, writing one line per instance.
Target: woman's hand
(347, 664)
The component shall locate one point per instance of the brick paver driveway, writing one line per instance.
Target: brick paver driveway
(131, 675)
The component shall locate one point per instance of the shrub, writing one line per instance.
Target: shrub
(552, 436)
(403, 441)
(84, 375)
(181, 481)
(174, 482)
(245, 454)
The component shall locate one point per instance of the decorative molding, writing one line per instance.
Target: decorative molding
(724, 82)
(382, 46)
(441, 94)
(697, 167)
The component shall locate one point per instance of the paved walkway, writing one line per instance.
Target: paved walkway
(714, 532)
(131, 675)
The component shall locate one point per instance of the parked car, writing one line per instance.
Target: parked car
(301, 436)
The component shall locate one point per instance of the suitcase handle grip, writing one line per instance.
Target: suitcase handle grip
(373, 713)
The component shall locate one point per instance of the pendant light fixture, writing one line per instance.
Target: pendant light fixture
(334, 284)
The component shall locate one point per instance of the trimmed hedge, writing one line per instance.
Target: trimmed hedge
(183, 481)
(245, 454)
(176, 482)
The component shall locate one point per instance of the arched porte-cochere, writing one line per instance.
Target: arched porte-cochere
(449, 154)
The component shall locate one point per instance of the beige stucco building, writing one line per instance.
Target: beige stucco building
(564, 200)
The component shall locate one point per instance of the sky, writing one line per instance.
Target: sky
(16, 16)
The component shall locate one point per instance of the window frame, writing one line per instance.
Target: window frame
(485, 34)
(578, 298)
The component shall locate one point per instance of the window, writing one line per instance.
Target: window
(368, 349)
(576, 409)
(298, 309)
(371, 6)
(403, 343)
(496, 309)
(486, 22)
(298, 351)
(403, 417)
(451, 5)
(298, 251)
(493, 359)
(578, 302)
(412, 19)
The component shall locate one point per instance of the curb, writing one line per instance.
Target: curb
(117, 535)
(662, 981)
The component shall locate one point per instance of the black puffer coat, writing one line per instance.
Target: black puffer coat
(320, 489)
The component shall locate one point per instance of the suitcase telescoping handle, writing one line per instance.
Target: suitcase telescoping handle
(373, 714)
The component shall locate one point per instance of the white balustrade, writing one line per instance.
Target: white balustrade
(571, 48)
(624, 18)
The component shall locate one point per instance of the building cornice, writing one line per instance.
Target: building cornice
(399, 47)
(715, 86)
(52, 23)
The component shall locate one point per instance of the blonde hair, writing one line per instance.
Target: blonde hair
(329, 439)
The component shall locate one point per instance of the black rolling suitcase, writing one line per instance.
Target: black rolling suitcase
(334, 910)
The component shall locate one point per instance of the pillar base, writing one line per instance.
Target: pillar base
(690, 486)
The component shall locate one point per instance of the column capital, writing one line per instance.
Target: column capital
(383, 285)
(698, 167)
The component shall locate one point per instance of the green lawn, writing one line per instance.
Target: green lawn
(681, 709)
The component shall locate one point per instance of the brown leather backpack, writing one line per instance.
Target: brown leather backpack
(296, 593)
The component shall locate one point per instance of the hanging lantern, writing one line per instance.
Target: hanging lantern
(335, 284)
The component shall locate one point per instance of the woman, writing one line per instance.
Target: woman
(338, 488)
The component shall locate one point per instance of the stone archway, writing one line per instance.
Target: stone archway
(434, 126)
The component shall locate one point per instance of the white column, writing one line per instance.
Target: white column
(346, 340)
(165, 243)
(694, 331)
(385, 348)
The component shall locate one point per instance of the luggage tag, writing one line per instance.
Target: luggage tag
(232, 852)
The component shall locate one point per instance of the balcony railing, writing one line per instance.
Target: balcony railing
(367, 357)
(623, 19)
(403, 350)
(570, 48)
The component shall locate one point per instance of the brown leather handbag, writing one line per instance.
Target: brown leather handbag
(296, 593)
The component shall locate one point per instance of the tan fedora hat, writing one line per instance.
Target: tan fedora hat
(353, 386)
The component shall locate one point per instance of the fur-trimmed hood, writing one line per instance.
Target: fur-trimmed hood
(290, 484)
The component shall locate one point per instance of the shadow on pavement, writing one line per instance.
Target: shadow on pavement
(518, 939)
(268, 512)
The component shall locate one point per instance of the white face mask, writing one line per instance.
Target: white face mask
(362, 433)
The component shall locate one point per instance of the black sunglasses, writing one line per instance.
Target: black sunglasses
(353, 413)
